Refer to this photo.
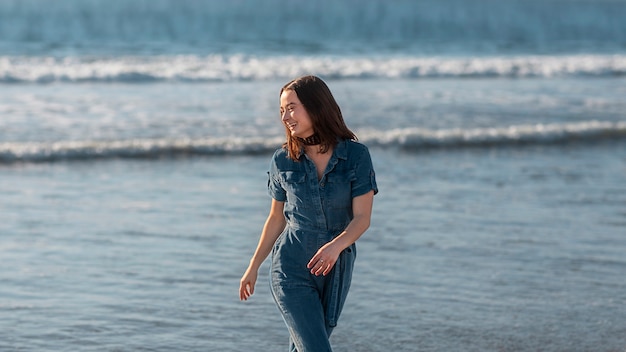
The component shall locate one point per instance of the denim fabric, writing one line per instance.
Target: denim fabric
(316, 212)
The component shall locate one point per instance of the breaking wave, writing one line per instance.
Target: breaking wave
(221, 68)
(407, 138)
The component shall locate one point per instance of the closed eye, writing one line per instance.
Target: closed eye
(290, 108)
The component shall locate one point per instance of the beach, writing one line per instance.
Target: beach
(133, 168)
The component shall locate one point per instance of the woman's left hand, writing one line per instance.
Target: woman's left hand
(324, 260)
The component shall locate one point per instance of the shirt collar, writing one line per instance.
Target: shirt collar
(341, 149)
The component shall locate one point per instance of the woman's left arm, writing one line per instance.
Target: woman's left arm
(326, 257)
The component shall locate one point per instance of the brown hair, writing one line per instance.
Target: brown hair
(324, 112)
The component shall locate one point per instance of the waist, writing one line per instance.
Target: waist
(316, 229)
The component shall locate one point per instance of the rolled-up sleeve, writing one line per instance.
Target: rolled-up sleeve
(274, 187)
(365, 177)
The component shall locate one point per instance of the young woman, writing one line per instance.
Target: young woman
(322, 185)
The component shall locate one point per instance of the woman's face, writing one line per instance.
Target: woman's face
(294, 115)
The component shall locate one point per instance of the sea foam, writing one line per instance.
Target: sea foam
(407, 138)
(223, 68)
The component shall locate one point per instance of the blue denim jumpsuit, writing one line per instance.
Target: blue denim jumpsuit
(316, 212)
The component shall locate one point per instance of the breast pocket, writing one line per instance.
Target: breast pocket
(338, 190)
(294, 183)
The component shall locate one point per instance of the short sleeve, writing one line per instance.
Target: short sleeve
(274, 187)
(365, 176)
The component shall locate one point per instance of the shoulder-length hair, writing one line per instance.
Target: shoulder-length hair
(324, 112)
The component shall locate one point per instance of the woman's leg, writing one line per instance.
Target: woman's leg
(303, 313)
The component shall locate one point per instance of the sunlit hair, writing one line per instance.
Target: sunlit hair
(324, 112)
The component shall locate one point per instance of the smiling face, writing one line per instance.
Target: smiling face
(294, 115)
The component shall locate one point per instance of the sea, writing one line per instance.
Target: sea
(136, 135)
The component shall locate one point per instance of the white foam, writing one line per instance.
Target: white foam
(241, 67)
(137, 148)
(510, 135)
(408, 138)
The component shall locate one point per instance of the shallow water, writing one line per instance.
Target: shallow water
(486, 249)
(135, 138)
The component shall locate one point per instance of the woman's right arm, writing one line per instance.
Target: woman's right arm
(274, 226)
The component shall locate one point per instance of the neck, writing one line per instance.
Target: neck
(314, 150)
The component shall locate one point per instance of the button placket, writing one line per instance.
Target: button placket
(314, 190)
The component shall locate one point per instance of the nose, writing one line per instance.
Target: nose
(284, 116)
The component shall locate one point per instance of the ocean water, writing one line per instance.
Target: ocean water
(135, 138)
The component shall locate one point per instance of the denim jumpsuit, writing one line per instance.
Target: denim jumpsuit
(316, 212)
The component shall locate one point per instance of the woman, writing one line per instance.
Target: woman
(322, 185)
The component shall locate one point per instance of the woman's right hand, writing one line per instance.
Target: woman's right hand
(246, 285)
(274, 226)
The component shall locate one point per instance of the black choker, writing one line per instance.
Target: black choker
(311, 140)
